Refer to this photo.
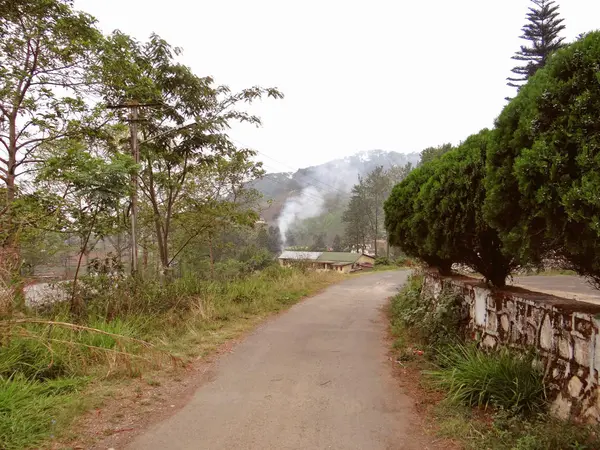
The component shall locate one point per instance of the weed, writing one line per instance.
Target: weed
(31, 411)
(435, 322)
(504, 378)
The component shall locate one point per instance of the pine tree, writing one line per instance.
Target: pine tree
(319, 243)
(337, 244)
(274, 241)
(542, 30)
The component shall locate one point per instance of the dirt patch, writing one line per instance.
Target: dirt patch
(130, 406)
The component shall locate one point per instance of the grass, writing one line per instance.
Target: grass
(51, 369)
(502, 430)
(32, 410)
(490, 400)
(503, 379)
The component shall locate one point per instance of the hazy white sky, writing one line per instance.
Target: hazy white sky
(357, 75)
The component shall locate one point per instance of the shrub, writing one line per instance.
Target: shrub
(437, 323)
(382, 261)
(543, 172)
(451, 203)
(405, 224)
(503, 379)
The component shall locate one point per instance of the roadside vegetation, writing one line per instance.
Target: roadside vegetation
(121, 189)
(479, 398)
(521, 196)
(48, 366)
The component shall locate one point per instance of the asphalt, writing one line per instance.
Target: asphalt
(315, 377)
(567, 286)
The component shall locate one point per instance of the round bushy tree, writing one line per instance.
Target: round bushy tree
(451, 202)
(543, 172)
(406, 224)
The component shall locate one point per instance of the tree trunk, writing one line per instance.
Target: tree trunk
(76, 302)
(212, 259)
(10, 256)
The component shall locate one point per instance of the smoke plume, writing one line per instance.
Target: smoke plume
(304, 206)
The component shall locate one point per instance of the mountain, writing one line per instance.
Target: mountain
(333, 177)
(330, 182)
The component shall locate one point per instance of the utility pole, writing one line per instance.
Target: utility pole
(135, 150)
(133, 120)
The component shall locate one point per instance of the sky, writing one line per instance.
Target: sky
(357, 75)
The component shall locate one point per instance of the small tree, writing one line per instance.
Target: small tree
(274, 241)
(319, 243)
(356, 218)
(337, 244)
(451, 204)
(290, 238)
(406, 223)
(543, 33)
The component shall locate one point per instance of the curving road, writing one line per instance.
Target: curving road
(315, 377)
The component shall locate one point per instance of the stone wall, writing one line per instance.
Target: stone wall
(565, 332)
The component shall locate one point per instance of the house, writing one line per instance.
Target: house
(341, 261)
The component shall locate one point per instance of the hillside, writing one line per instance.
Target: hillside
(315, 197)
(333, 176)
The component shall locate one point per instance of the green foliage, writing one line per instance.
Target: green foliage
(450, 204)
(504, 379)
(406, 223)
(382, 261)
(543, 33)
(543, 164)
(433, 153)
(337, 244)
(319, 243)
(435, 323)
(30, 410)
(504, 430)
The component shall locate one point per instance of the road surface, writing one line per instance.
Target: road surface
(315, 377)
(567, 286)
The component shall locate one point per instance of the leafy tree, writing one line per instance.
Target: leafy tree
(398, 173)
(93, 187)
(46, 51)
(182, 137)
(543, 33)
(262, 238)
(431, 153)
(450, 203)
(406, 223)
(543, 164)
(337, 244)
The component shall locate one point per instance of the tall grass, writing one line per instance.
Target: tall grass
(30, 410)
(128, 328)
(504, 379)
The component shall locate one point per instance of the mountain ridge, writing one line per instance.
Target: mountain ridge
(331, 179)
(335, 176)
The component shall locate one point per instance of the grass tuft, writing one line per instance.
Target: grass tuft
(503, 379)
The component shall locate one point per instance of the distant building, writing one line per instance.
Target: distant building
(340, 261)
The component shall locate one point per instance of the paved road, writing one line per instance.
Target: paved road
(315, 377)
(568, 286)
